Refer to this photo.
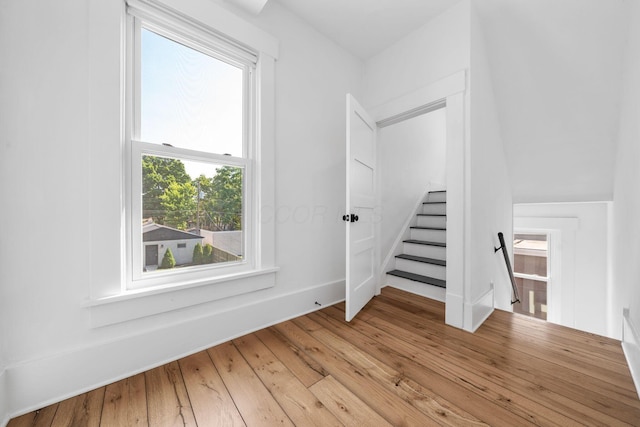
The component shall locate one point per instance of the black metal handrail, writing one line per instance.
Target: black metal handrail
(509, 269)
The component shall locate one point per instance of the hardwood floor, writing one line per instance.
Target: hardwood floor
(396, 364)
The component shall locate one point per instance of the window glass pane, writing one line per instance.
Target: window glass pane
(530, 254)
(533, 298)
(189, 99)
(191, 213)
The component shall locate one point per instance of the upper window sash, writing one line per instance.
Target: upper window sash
(135, 54)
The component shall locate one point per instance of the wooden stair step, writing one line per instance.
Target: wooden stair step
(422, 259)
(419, 278)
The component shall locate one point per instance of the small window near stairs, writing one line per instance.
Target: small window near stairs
(531, 271)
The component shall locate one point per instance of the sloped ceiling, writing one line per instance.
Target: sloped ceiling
(556, 68)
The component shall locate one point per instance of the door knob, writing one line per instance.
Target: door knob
(350, 218)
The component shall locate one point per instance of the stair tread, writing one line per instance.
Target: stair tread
(429, 228)
(423, 259)
(434, 203)
(438, 191)
(424, 242)
(431, 214)
(419, 278)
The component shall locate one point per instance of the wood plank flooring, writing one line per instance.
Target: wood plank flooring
(396, 364)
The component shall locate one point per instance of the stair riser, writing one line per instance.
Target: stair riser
(439, 236)
(422, 268)
(428, 291)
(434, 252)
(434, 209)
(432, 221)
(437, 197)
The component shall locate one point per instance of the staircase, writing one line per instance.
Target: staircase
(421, 268)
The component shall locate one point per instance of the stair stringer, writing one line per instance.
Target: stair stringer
(405, 231)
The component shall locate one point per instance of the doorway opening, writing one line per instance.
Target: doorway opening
(531, 271)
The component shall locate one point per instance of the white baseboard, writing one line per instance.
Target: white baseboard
(4, 399)
(454, 310)
(477, 312)
(631, 347)
(38, 383)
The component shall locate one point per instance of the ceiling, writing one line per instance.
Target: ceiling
(366, 27)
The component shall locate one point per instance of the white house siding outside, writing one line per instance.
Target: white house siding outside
(182, 255)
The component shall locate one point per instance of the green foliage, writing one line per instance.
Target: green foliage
(157, 174)
(207, 254)
(179, 204)
(224, 202)
(198, 257)
(171, 198)
(168, 261)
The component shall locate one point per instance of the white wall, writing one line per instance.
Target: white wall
(626, 237)
(434, 51)
(45, 173)
(412, 156)
(490, 186)
(580, 288)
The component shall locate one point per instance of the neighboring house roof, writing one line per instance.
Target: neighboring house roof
(153, 232)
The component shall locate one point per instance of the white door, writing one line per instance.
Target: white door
(362, 263)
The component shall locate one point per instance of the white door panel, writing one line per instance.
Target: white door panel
(361, 250)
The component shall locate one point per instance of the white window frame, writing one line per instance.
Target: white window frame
(110, 300)
(141, 17)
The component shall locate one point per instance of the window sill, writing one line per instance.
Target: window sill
(135, 304)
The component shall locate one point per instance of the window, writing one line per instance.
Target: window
(531, 271)
(191, 138)
(204, 26)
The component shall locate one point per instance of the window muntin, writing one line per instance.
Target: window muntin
(191, 105)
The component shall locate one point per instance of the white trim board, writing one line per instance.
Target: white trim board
(4, 399)
(220, 20)
(477, 312)
(452, 89)
(426, 95)
(631, 347)
(71, 373)
(417, 288)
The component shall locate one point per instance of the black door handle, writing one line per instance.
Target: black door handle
(350, 218)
